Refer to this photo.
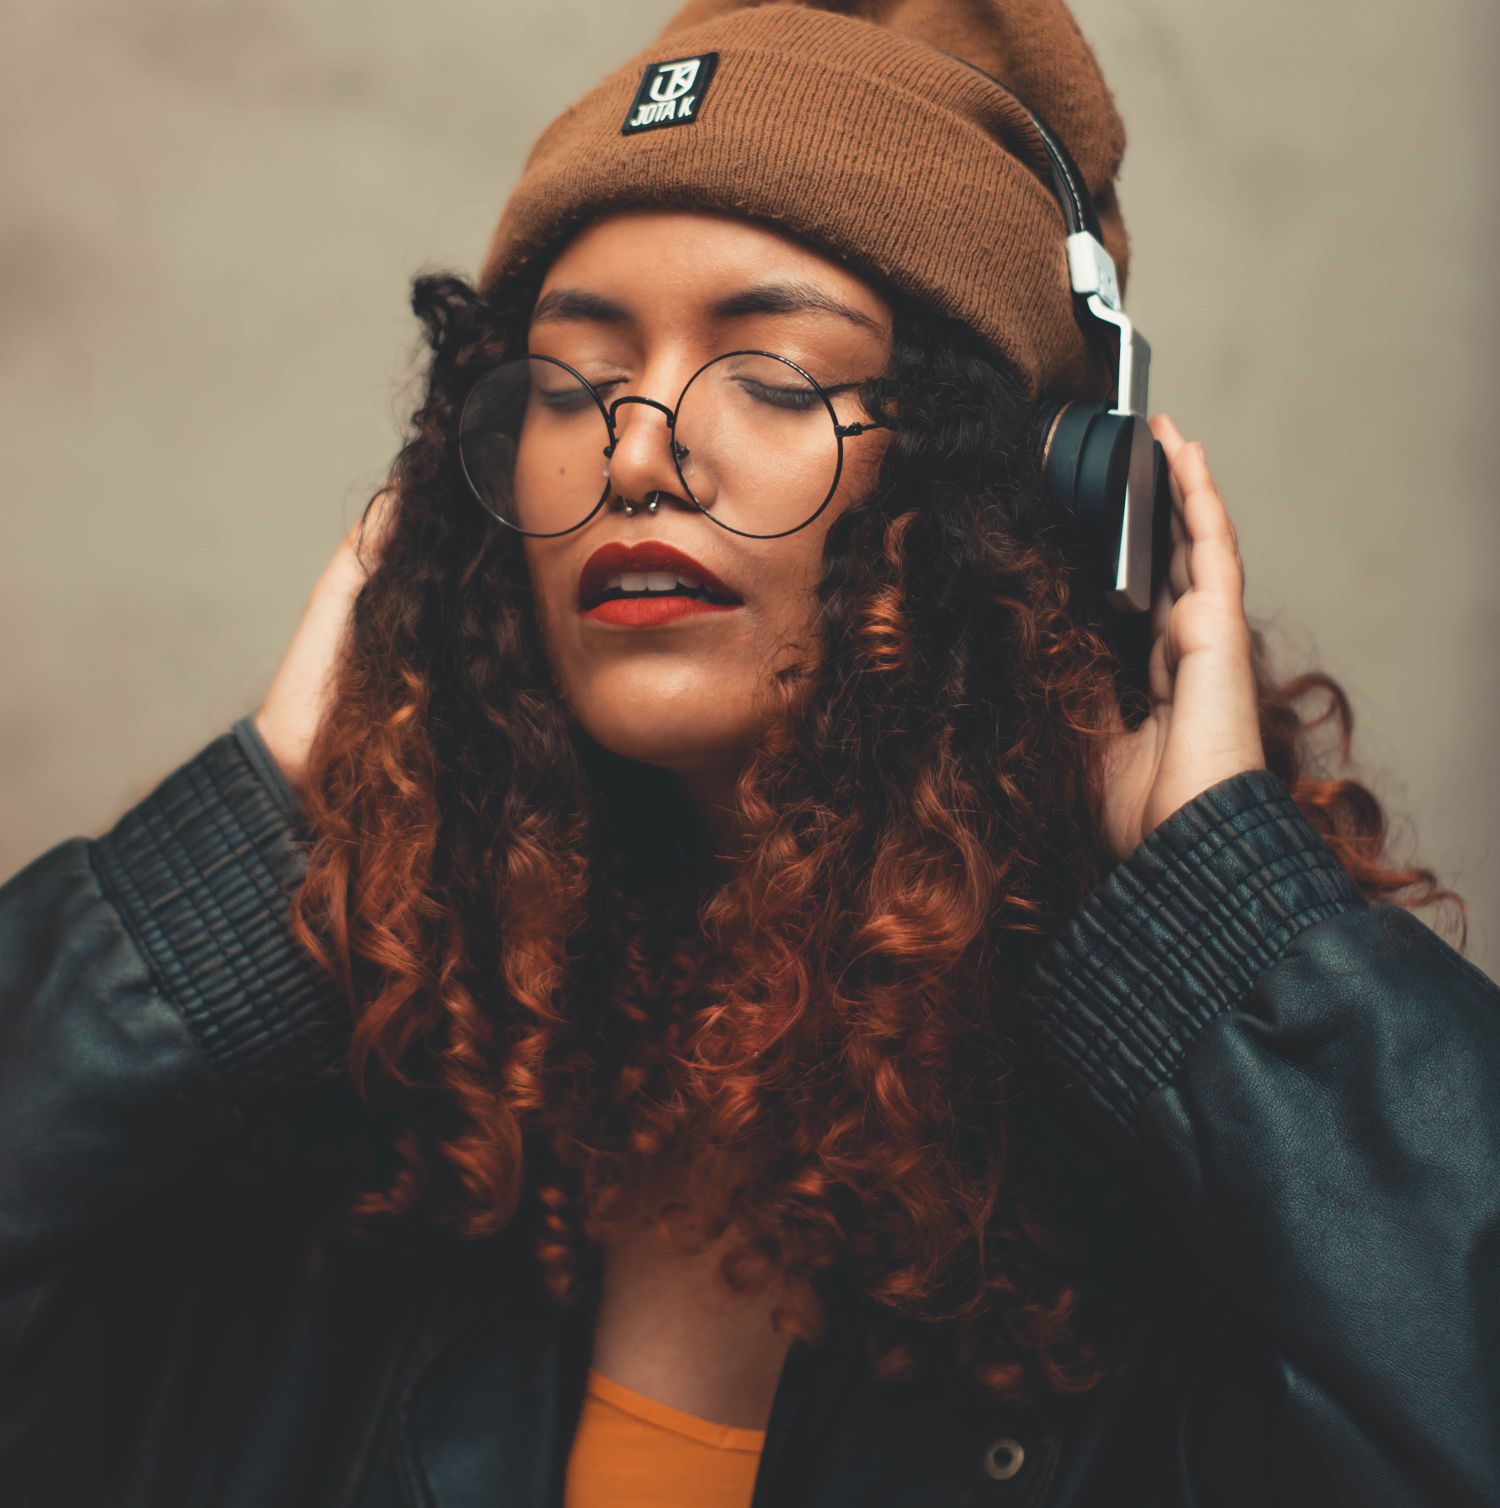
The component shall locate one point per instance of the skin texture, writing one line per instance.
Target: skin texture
(687, 696)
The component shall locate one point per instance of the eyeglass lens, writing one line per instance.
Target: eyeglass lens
(754, 444)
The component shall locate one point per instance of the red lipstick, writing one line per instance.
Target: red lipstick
(651, 612)
(648, 609)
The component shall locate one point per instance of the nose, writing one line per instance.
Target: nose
(640, 463)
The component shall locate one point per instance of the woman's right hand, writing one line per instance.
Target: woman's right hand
(299, 695)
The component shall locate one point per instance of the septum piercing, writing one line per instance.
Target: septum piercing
(652, 499)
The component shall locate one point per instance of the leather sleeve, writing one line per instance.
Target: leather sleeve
(153, 1004)
(1313, 1084)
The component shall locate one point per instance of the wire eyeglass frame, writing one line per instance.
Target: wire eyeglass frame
(608, 411)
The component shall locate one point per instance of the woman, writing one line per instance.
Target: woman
(771, 1012)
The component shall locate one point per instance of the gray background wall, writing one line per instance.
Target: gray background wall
(210, 210)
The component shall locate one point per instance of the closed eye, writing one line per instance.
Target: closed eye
(570, 396)
(563, 400)
(799, 398)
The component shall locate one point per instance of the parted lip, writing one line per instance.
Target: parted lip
(649, 555)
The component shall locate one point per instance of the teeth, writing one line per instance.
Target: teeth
(652, 581)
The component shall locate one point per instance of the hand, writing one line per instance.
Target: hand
(300, 692)
(1203, 725)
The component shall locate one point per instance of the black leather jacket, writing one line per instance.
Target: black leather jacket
(1308, 1087)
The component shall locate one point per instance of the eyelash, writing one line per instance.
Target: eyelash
(606, 385)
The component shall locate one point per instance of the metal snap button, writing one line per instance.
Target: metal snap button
(1004, 1459)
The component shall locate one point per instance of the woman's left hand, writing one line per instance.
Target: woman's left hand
(1202, 726)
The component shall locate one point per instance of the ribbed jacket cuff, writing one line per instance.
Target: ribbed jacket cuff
(202, 872)
(1179, 933)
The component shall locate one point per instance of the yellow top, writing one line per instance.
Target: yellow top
(630, 1451)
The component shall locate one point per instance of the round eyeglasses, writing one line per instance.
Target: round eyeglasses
(756, 442)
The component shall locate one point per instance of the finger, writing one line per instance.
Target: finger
(1172, 444)
(373, 528)
(1200, 495)
(1174, 491)
(1161, 669)
(1179, 576)
(1213, 558)
(1164, 427)
(1161, 609)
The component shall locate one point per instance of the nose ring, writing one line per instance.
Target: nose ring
(652, 499)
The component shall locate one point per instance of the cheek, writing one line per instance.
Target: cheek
(552, 590)
(792, 606)
(558, 481)
(797, 566)
(787, 613)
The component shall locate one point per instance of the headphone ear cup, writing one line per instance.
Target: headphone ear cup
(1086, 463)
(1087, 455)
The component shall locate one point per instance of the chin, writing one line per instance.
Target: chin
(686, 749)
(681, 723)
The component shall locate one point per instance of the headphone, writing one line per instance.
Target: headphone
(1103, 468)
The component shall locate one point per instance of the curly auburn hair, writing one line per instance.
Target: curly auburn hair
(555, 985)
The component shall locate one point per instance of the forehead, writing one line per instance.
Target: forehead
(692, 259)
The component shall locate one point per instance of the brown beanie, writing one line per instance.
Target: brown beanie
(861, 129)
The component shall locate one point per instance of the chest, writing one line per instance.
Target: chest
(670, 1326)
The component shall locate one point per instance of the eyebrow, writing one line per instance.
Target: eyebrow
(563, 305)
(789, 298)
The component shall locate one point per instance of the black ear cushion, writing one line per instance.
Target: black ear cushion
(1103, 473)
(1063, 427)
(1087, 466)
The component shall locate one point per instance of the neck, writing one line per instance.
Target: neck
(657, 810)
(712, 795)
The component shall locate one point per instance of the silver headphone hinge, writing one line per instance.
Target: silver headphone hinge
(1091, 269)
(1132, 392)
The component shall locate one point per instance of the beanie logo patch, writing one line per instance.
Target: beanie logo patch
(671, 94)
